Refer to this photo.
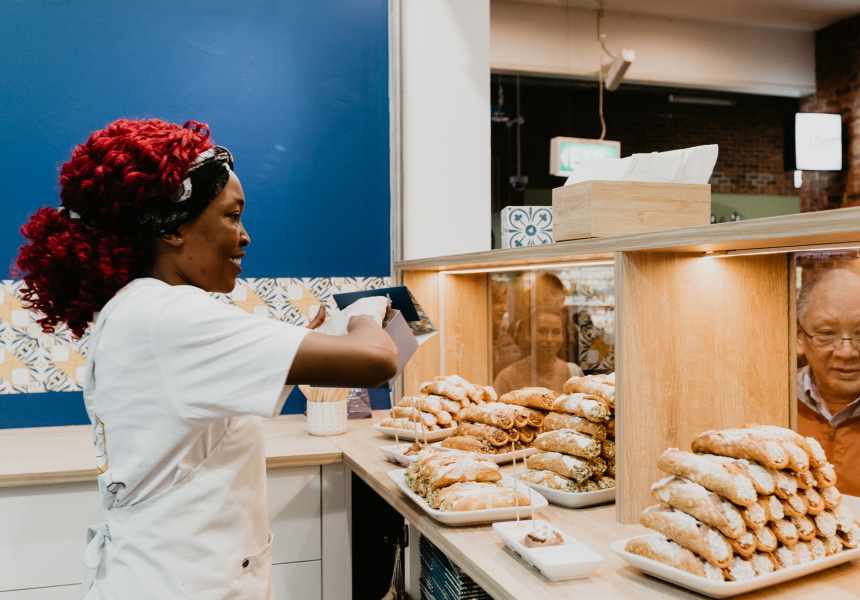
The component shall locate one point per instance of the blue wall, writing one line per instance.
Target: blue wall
(297, 90)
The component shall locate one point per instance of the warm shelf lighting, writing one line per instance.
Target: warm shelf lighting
(589, 263)
(780, 250)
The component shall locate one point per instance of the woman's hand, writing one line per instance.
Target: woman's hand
(319, 319)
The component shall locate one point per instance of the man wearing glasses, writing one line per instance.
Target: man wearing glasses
(828, 388)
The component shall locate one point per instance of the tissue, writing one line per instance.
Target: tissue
(687, 165)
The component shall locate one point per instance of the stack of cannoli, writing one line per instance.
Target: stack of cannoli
(458, 481)
(437, 405)
(746, 502)
(497, 427)
(577, 446)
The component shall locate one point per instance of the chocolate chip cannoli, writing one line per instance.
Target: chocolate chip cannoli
(493, 435)
(494, 414)
(528, 434)
(468, 443)
(531, 397)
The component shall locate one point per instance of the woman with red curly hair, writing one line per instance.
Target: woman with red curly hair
(177, 382)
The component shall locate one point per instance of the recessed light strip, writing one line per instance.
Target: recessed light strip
(782, 250)
(539, 267)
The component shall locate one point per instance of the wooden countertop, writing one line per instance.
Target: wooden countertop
(64, 454)
(483, 556)
(48, 455)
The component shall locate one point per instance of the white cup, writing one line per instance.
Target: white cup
(327, 418)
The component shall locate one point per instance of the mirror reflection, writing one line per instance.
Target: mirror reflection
(548, 326)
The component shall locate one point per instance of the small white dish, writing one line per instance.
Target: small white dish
(572, 560)
(471, 517)
(501, 458)
(394, 453)
(410, 434)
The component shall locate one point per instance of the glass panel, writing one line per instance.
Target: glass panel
(549, 325)
(828, 358)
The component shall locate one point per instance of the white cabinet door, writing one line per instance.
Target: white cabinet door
(43, 533)
(298, 581)
(295, 513)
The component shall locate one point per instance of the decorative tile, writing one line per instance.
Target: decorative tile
(526, 226)
(32, 361)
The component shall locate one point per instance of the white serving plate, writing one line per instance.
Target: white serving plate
(569, 499)
(409, 434)
(726, 589)
(572, 560)
(501, 458)
(472, 517)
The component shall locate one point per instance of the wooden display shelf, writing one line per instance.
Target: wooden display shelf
(701, 342)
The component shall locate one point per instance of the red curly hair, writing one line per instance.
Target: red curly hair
(79, 256)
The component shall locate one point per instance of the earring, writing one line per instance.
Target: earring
(179, 238)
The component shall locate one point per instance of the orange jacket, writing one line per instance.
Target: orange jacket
(841, 443)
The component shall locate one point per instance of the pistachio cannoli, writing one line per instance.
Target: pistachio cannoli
(582, 405)
(561, 420)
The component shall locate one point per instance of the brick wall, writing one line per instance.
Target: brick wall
(837, 82)
(749, 131)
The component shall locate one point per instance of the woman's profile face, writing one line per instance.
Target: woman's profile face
(213, 243)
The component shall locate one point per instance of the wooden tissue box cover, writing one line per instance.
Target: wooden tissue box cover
(608, 208)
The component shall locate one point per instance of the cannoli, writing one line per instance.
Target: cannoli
(743, 443)
(568, 441)
(746, 544)
(608, 450)
(810, 447)
(804, 555)
(755, 516)
(833, 544)
(814, 502)
(560, 420)
(490, 394)
(599, 466)
(730, 485)
(413, 414)
(765, 539)
(831, 496)
(825, 475)
(785, 531)
(604, 482)
(475, 394)
(816, 546)
(562, 464)
(582, 405)
(772, 506)
(469, 497)
(527, 416)
(785, 557)
(435, 497)
(657, 547)
(513, 435)
(794, 506)
(490, 414)
(690, 533)
(549, 479)
(528, 434)
(425, 402)
(762, 563)
(494, 435)
(762, 477)
(785, 484)
(610, 467)
(592, 387)
(826, 524)
(452, 406)
(468, 443)
(739, 569)
(843, 516)
(850, 536)
(460, 471)
(589, 485)
(805, 527)
(610, 426)
(407, 424)
(798, 459)
(531, 397)
(706, 506)
(449, 390)
(805, 479)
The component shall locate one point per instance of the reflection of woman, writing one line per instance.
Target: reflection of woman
(177, 381)
(548, 290)
(543, 368)
(505, 350)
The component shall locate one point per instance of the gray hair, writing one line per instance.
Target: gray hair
(807, 288)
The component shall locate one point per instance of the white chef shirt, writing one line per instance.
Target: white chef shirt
(173, 364)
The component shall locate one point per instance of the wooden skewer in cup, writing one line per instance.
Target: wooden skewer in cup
(324, 394)
(514, 482)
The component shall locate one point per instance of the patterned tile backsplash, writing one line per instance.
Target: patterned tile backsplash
(34, 362)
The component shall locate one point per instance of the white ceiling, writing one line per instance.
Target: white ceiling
(807, 15)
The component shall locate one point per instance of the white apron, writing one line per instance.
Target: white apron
(205, 537)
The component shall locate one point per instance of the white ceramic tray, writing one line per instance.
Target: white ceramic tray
(726, 589)
(572, 560)
(472, 517)
(410, 434)
(569, 499)
(499, 459)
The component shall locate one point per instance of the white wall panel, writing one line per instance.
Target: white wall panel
(298, 581)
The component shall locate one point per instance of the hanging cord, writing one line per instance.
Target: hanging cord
(600, 48)
(518, 125)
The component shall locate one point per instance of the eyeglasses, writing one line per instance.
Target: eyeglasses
(828, 341)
